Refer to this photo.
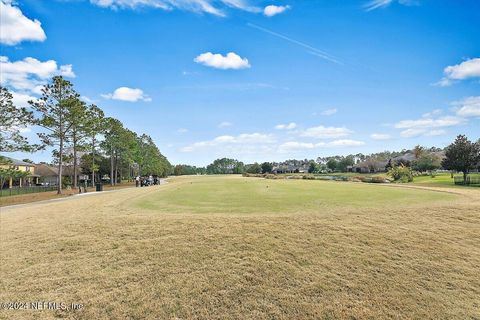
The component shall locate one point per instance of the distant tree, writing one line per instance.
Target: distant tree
(344, 163)
(426, 162)
(332, 164)
(267, 167)
(462, 155)
(254, 168)
(54, 112)
(28, 161)
(418, 151)
(313, 167)
(12, 121)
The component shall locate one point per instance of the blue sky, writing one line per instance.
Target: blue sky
(303, 78)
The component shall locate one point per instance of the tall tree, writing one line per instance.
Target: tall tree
(96, 125)
(54, 114)
(12, 121)
(79, 130)
(462, 155)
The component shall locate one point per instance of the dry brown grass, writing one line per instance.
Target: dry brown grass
(123, 262)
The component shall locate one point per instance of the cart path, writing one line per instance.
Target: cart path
(32, 205)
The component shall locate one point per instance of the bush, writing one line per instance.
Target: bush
(401, 173)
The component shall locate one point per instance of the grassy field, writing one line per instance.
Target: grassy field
(247, 248)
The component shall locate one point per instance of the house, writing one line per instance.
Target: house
(48, 175)
(19, 165)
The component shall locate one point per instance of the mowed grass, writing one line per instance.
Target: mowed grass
(442, 179)
(234, 194)
(294, 250)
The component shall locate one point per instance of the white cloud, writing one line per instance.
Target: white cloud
(242, 140)
(380, 136)
(273, 10)
(289, 126)
(127, 94)
(182, 130)
(465, 70)
(468, 107)
(30, 74)
(322, 132)
(426, 123)
(434, 133)
(21, 100)
(225, 124)
(199, 6)
(329, 112)
(218, 61)
(410, 133)
(294, 146)
(376, 4)
(16, 27)
(345, 143)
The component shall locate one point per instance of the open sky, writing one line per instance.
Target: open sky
(257, 80)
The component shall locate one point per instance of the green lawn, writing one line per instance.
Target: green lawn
(214, 194)
(442, 179)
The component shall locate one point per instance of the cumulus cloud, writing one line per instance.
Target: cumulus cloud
(322, 132)
(380, 136)
(30, 74)
(465, 70)
(273, 10)
(218, 61)
(288, 126)
(21, 100)
(244, 139)
(127, 94)
(214, 7)
(468, 107)
(16, 27)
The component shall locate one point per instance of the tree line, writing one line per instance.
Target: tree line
(68, 122)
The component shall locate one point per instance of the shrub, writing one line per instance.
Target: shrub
(401, 174)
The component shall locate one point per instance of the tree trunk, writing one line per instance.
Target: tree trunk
(75, 161)
(93, 161)
(60, 165)
(465, 177)
(111, 168)
(116, 169)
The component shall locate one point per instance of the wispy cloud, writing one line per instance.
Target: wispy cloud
(468, 107)
(225, 124)
(214, 7)
(288, 126)
(329, 112)
(377, 4)
(312, 50)
(380, 136)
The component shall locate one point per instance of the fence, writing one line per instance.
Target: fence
(24, 190)
(471, 181)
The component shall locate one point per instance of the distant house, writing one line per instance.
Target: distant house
(369, 166)
(48, 175)
(19, 165)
